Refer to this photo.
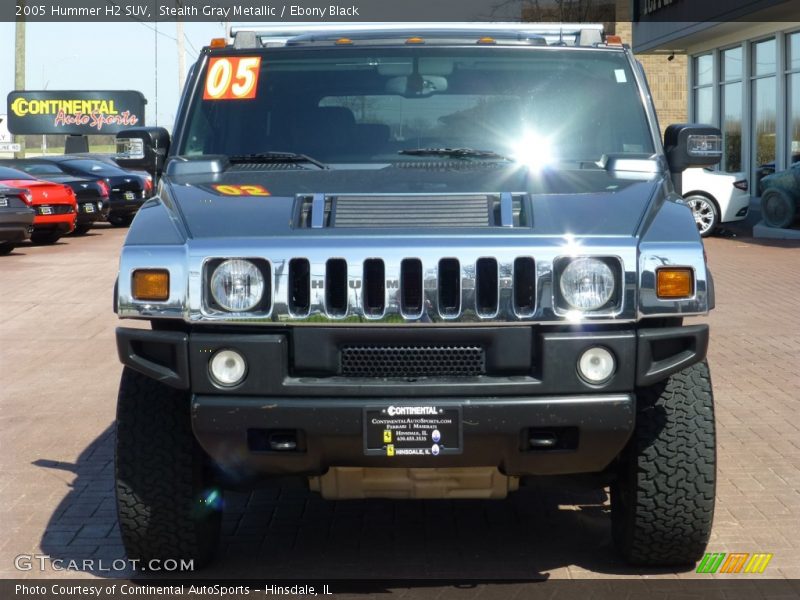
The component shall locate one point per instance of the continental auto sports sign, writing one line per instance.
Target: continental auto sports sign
(74, 112)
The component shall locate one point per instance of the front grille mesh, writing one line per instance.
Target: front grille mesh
(412, 361)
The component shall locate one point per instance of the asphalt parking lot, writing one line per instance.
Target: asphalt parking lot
(58, 381)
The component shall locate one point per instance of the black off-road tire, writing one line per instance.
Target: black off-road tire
(778, 208)
(121, 221)
(82, 229)
(662, 499)
(167, 506)
(45, 237)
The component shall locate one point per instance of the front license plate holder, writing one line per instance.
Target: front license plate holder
(413, 430)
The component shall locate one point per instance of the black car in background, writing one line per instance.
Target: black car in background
(90, 194)
(127, 190)
(16, 218)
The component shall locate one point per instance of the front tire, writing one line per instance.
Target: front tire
(778, 208)
(166, 505)
(82, 229)
(662, 499)
(705, 213)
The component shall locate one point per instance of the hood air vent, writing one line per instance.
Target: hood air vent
(413, 211)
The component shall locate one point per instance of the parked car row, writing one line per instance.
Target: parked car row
(65, 194)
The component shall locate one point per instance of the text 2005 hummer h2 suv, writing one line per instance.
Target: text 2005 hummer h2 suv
(416, 262)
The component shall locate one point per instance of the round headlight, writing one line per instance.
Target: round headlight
(596, 365)
(227, 367)
(237, 285)
(587, 283)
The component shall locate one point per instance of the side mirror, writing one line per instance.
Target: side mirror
(692, 146)
(143, 148)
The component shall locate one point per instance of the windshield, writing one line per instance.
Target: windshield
(369, 105)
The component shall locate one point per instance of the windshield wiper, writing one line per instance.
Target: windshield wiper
(453, 153)
(276, 157)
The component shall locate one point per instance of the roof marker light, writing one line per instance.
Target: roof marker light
(613, 40)
(218, 43)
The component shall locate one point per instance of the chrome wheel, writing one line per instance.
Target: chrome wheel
(705, 214)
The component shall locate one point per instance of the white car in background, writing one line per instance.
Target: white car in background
(715, 198)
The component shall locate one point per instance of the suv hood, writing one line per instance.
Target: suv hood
(581, 202)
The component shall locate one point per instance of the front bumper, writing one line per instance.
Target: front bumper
(330, 432)
(531, 384)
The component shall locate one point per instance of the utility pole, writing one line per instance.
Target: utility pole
(179, 36)
(19, 69)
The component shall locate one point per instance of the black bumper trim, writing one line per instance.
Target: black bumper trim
(662, 352)
(332, 429)
(181, 361)
(161, 355)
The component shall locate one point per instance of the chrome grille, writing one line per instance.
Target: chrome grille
(464, 288)
(412, 361)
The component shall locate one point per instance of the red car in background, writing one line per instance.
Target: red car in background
(55, 205)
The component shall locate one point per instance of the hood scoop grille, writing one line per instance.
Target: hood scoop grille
(413, 211)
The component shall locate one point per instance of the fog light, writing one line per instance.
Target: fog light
(596, 365)
(227, 368)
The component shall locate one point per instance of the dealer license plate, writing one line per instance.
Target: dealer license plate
(46, 210)
(130, 196)
(89, 208)
(412, 430)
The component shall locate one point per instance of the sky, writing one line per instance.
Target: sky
(105, 56)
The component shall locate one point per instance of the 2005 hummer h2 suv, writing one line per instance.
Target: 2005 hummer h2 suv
(415, 261)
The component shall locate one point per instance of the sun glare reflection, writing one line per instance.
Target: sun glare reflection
(533, 151)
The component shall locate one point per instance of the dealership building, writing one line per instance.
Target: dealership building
(742, 71)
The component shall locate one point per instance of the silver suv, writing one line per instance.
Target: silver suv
(412, 262)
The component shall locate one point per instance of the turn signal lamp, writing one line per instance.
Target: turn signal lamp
(218, 43)
(415, 40)
(487, 40)
(344, 41)
(150, 284)
(674, 283)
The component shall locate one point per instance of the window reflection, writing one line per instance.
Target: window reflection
(732, 126)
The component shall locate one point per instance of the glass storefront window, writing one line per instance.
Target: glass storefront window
(764, 116)
(793, 96)
(794, 51)
(764, 58)
(793, 115)
(732, 126)
(703, 111)
(732, 64)
(704, 70)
